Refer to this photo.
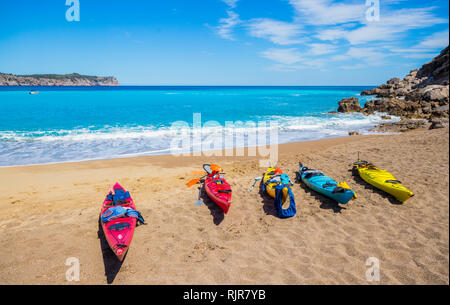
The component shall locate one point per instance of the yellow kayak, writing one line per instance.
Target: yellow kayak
(274, 174)
(382, 180)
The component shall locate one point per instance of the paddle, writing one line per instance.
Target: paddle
(199, 202)
(194, 181)
(256, 179)
(360, 162)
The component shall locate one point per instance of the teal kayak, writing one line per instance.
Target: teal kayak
(319, 182)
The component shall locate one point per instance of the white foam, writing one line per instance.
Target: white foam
(38, 147)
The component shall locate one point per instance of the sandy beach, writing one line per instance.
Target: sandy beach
(50, 213)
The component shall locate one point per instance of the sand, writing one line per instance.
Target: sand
(50, 213)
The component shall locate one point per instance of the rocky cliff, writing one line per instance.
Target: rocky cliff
(422, 94)
(73, 79)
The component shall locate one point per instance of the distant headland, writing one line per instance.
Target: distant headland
(73, 79)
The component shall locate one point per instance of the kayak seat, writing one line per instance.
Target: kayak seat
(328, 184)
(224, 191)
(339, 189)
(276, 179)
(313, 174)
(393, 181)
(119, 226)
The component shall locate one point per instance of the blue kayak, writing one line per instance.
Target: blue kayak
(317, 181)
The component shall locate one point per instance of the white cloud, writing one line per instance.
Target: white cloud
(321, 49)
(231, 3)
(278, 32)
(227, 24)
(287, 68)
(437, 40)
(325, 12)
(368, 43)
(370, 56)
(291, 59)
(389, 28)
(353, 67)
(426, 48)
(332, 34)
(421, 55)
(283, 56)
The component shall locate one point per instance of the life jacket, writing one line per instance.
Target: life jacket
(276, 178)
(278, 202)
(119, 198)
(121, 212)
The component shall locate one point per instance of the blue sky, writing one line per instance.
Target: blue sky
(223, 42)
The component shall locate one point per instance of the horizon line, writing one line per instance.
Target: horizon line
(133, 85)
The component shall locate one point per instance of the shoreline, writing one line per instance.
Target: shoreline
(366, 131)
(50, 212)
(212, 152)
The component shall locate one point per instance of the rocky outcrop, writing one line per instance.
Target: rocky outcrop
(348, 105)
(402, 126)
(399, 107)
(439, 123)
(433, 76)
(436, 71)
(73, 79)
(412, 124)
(422, 94)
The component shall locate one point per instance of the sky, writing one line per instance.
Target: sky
(224, 42)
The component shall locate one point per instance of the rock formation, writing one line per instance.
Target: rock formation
(422, 94)
(73, 79)
(350, 104)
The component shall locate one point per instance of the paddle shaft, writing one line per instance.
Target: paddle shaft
(256, 179)
(199, 192)
(199, 202)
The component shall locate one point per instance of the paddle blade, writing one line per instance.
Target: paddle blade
(193, 182)
(197, 172)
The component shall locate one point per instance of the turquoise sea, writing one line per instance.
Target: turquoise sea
(71, 124)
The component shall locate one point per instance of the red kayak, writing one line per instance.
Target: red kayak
(217, 188)
(119, 232)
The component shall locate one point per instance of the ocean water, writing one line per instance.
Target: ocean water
(73, 124)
